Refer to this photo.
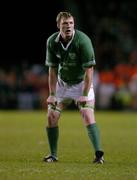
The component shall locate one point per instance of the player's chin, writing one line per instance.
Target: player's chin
(69, 35)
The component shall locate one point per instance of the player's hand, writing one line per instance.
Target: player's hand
(52, 100)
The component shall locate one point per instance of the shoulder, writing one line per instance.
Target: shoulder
(52, 38)
(82, 36)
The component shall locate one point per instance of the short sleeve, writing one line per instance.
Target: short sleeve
(87, 53)
(51, 59)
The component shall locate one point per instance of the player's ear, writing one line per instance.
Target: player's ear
(58, 26)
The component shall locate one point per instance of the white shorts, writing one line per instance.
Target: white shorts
(65, 92)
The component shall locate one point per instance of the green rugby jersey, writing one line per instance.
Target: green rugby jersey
(72, 59)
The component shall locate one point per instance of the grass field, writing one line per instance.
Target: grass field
(23, 144)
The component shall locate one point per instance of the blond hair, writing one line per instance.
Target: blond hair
(63, 14)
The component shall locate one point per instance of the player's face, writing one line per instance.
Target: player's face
(66, 27)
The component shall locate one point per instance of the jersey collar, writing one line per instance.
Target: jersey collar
(58, 37)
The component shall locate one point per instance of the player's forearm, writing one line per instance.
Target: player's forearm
(52, 81)
(87, 81)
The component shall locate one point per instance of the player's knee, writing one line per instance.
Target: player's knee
(87, 115)
(53, 117)
(85, 112)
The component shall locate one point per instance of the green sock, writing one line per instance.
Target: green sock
(93, 134)
(53, 134)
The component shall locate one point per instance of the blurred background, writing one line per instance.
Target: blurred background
(25, 27)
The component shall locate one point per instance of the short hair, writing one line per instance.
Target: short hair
(63, 14)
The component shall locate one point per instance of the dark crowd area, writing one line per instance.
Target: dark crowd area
(112, 27)
(26, 87)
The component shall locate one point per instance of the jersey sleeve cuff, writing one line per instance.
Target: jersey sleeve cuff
(89, 64)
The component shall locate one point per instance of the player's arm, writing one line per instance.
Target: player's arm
(52, 80)
(87, 85)
(88, 78)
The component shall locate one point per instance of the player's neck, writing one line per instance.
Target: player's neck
(65, 41)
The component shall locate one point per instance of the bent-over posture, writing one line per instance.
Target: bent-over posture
(70, 58)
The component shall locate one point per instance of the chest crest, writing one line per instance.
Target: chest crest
(72, 55)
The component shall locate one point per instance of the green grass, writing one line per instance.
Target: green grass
(23, 144)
